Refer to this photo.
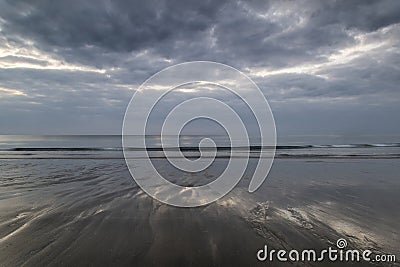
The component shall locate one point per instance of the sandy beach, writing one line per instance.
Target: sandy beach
(74, 212)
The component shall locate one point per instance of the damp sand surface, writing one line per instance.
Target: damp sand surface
(89, 212)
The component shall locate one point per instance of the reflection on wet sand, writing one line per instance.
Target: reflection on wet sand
(90, 212)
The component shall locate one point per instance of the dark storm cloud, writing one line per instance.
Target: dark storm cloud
(367, 15)
(96, 32)
(60, 58)
(82, 30)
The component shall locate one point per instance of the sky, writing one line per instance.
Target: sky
(326, 67)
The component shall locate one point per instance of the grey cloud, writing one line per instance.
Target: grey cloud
(364, 15)
(132, 40)
(95, 28)
(104, 33)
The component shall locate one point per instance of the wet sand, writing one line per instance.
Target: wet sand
(74, 212)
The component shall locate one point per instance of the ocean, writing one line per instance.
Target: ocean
(70, 200)
(109, 146)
